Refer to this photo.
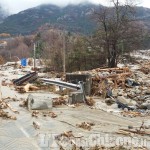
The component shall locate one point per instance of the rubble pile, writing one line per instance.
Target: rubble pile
(6, 114)
(36, 114)
(114, 148)
(23, 103)
(104, 80)
(126, 86)
(90, 101)
(141, 130)
(77, 142)
(69, 138)
(28, 87)
(85, 125)
(6, 83)
(145, 68)
(124, 90)
(59, 101)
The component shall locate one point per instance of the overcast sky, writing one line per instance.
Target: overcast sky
(14, 6)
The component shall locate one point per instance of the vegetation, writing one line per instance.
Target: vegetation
(84, 57)
(73, 18)
(117, 30)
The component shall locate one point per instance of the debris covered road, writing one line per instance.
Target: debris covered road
(120, 108)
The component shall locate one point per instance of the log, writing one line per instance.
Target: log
(125, 69)
(136, 131)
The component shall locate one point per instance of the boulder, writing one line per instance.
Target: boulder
(115, 92)
(138, 91)
(123, 100)
(109, 101)
(148, 106)
(147, 92)
(127, 101)
(132, 103)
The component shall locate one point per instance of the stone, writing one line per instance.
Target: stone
(126, 109)
(135, 99)
(147, 92)
(115, 92)
(109, 92)
(110, 82)
(120, 93)
(131, 95)
(114, 106)
(132, 103)
(144, 88)
(109, 101)
(145, 106)
(141, 98)
(148, 101)
(147, 127)
(138, 91)
(131, 82)
(123, 100)
(148, 106)
(125, 94)
(130, 127)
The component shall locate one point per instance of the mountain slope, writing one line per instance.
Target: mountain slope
(74, 18)
(71, 17)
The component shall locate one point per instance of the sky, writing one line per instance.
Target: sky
(15, 6)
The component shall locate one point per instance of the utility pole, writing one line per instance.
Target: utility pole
(64, 53)
(34, 65)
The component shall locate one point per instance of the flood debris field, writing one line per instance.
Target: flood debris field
(115, 115)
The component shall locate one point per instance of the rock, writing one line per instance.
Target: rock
(148, 101)
(109, 101)
(132, 91)
(131, 95)
(141, 98)
(123, 100)
(125, 94)
(142, 107)
(110, 82)
(115, 92)
(147, 92)
(138, 91)
(126, 109)
(148, 106)
(147, 127)
(131, 82)
(144, 88)
(104, 74)
(130, 127)
(114, 106)
(135, 99)
(101, 106)
(109, 93)
(132, 103)
(120, 94)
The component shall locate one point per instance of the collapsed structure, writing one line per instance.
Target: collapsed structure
(122, 92)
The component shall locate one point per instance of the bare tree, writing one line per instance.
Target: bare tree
(117, 27)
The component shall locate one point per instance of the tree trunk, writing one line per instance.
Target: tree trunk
(112, 58)
(112, 62)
